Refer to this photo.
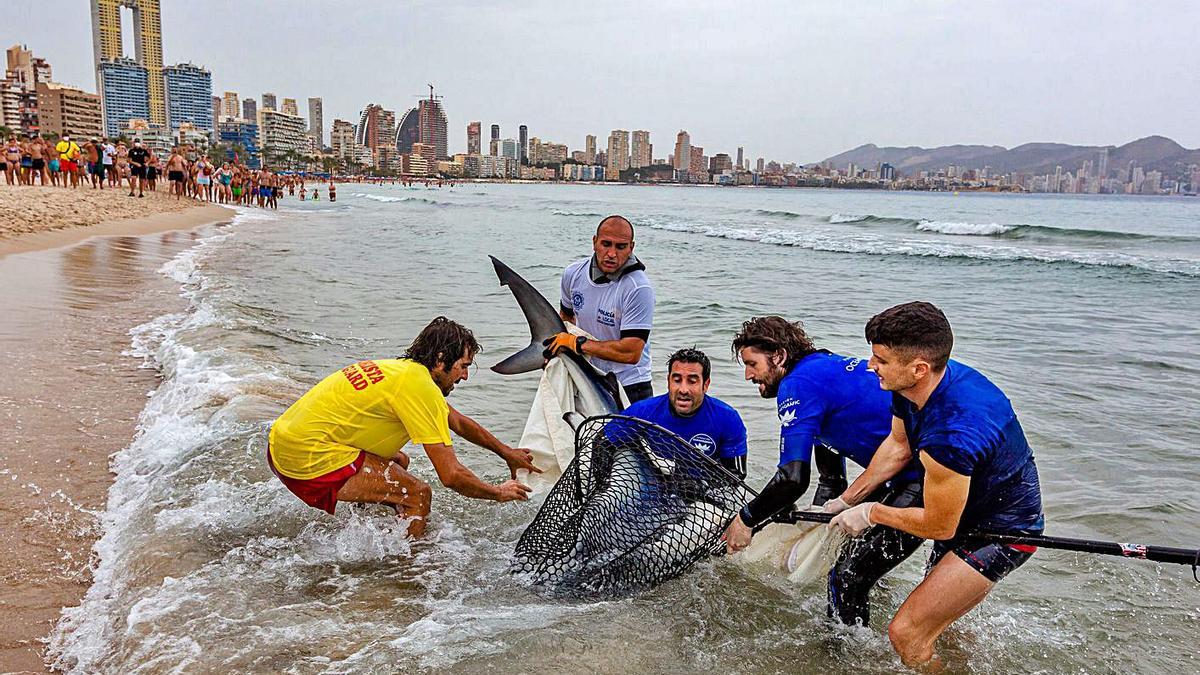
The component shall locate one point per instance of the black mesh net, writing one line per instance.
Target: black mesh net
(637, 506)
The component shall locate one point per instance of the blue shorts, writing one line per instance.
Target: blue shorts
(990, 559)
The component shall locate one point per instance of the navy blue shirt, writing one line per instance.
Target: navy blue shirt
(834, 400)
(968, 426)
(716, 429)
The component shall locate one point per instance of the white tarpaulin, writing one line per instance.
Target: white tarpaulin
(563, 388)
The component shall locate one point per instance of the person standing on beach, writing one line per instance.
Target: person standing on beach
(38, 150)
(343, 440)
(332, 191)
(979, 475)
(91, 152)
(152, 169)
(608, 295)
(12, 161)
(137, 167)
(176, 173)
(68, 153)
(108, 154)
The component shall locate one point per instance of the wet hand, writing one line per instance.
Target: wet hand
(560, 342)
(835, 505)
(511, 490)
(737, 536)
(519, 458)
(854, 520)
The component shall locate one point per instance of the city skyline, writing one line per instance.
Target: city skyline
(818, 123)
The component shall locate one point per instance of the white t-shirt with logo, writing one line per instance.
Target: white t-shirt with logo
(604, 310)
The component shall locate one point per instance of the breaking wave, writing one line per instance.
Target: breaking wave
(839, 242)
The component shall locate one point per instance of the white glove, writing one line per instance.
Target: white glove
(854, 520)
(835, 505)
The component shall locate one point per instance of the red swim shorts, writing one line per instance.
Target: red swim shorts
(320, 492)
(66, 166)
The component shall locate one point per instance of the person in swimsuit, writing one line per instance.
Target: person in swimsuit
(176, 173)
(38, 150)
(12, 161)
(152, 169)
(332, 191)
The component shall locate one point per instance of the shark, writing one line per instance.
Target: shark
(598, 393)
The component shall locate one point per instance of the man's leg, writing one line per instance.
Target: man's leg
(863, 561)
(384, 481)
(951, 589)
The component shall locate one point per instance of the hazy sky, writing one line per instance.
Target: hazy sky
(792, 81)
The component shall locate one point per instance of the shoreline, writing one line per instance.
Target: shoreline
(70, 396)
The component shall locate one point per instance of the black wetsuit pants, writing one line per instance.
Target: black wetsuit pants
(864, 560)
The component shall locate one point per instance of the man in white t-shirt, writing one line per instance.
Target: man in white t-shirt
(107, 152)
(609, 296)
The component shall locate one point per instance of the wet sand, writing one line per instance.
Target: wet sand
(69, 398)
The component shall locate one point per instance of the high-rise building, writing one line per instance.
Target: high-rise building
(281, 134)
(683, 151)
(760, 167)
(124, 94)
(217, 105)
(289, 107)
(618, 154)
(589, 149)
(341, 140)
(523, 139)
(147, 31)
(316, 121)
(18, 91)
(740, 161)
(474, 131)
(642, 153)
(188, 90)
(249, 109)
(493, 148)
(697, 167)
(432, 124)
(230, 106)
(720, 163)
(268, 101)
(64, 110)
(507, 147)
(408, 132)
(1102, 164)
(241, 138)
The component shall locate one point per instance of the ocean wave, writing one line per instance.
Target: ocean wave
(577, 214)
(789, 215)
(391, 200)
(837, 242)
(970, 229)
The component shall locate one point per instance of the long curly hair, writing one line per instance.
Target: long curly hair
(771, 334)
(442, 341)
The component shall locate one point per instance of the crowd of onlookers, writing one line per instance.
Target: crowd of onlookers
(188, 172)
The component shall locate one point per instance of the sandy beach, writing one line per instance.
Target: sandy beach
(79, 270)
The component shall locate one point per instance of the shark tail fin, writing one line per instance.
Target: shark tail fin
(544, 322)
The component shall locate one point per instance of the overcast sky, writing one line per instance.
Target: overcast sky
(795, 81)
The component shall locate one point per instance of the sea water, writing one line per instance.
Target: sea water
(1085, 310)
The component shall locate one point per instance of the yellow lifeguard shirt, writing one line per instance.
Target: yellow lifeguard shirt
(376, 406)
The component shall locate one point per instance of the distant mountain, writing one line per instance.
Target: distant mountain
(1153, 153)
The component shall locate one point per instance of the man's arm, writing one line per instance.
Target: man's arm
(945, 495)
(893, 455)
(516, 458)
(626, 350)
(462, 480)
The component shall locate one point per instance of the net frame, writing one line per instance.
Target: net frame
(629, 512)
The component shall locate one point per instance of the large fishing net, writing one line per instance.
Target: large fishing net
(637, 506)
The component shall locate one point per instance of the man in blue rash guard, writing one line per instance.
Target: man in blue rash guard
(979, 474)
(709, 424)
(835, 403)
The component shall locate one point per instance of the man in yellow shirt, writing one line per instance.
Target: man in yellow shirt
(342, 440)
